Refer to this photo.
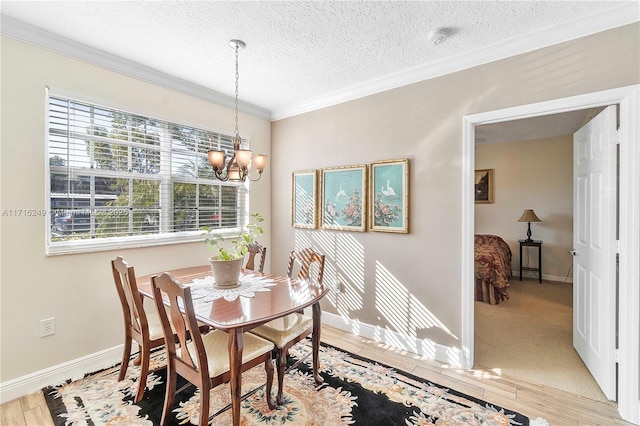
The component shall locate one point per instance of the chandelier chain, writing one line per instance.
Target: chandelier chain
(237, 78)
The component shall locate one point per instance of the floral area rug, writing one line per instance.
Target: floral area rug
(356, 391)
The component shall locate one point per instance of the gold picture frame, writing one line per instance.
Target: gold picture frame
(484, 186)
(304, 199)
(343, 200)
(389, 196)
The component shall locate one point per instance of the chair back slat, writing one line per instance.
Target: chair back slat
(254, 250)
(308, 261)
(131, 301)
(167, 289)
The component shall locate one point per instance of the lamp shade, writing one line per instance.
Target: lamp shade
(260, 162)
(243, 157)
(529, 216)
(216, 159)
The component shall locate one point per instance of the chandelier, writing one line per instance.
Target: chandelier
(239, 165)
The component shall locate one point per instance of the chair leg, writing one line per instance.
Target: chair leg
(281, 365)
(144, 355)
(169, 395)
(315, 342)
(138, 359)
(125, 358)
(316, 362)
(204, 405)
(268, 367)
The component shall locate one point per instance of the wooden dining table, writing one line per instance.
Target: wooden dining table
(279, 297)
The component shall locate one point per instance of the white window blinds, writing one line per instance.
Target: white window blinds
(123, 176)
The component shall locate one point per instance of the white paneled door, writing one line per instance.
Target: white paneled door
(594, 238)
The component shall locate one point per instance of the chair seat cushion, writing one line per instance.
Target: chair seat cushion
(154, 323)
(216, 346)
(281, 331)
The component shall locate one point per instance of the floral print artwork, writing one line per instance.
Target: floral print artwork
(343, 198)
(389, 196)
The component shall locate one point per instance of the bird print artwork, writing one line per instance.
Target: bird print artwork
(343, 204)
(389, 191)
(388, 200)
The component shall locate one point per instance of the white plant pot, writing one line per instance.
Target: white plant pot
(226, 273)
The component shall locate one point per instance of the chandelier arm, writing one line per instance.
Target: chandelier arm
(256, 179)
(220, 176)
(230, 162)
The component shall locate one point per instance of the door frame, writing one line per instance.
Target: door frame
(628, 99)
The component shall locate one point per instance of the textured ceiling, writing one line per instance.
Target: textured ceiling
(307, 52)
(548, 126)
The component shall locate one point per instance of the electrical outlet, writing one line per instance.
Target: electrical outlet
(338, 287)
(47, 327)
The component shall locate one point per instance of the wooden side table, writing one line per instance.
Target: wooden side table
(532, 243)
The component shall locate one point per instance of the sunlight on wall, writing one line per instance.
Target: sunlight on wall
(402, 318)
(302, 240)
(402, 310)
(344, 267)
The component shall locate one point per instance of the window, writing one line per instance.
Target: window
(118, 178)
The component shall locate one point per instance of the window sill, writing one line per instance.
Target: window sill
(106, 244)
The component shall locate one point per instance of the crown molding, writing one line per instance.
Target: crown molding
(38, 37)
(585, 26)
(582, 27)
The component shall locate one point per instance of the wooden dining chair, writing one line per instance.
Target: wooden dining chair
(141, 325)
(287, 331)
(254, 250)
(204, 359)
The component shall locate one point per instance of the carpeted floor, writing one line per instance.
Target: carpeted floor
(355, 391)
(530, 336)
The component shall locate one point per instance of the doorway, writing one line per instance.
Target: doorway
(529, 335)
(629, 271)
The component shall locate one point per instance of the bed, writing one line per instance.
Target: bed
(492, 269)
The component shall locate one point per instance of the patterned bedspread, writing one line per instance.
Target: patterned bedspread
(493, 262)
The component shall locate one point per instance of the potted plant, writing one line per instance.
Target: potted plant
(227, 264)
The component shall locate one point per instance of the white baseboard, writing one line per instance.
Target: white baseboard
(77, 368)
(550, 278)
(422, 347)
(74, 369)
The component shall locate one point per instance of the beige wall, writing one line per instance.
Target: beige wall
(78, 290)
(533, 174)
(412, 283)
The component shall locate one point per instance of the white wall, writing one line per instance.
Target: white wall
(533, 174)
(78, 290)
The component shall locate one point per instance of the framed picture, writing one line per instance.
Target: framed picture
(389, 196)
(484, 186)
(304, 199)
(344, 198)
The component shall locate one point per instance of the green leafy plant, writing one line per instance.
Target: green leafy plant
(238, 246)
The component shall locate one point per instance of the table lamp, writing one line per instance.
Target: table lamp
(529, 216)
